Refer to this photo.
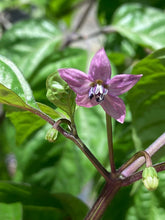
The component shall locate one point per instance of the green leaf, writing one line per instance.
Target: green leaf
(106, 8)
(145, 206)
(11, 211)
(36, 200)
(28, 42)
(68, 58)
(141, 24)
(34, 45)
(25, 123)
(14, 90)
(53, 113)
(146, 99)
(59, 93)
(90, 123)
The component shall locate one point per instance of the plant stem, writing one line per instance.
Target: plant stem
(83, 16)
(75, 139)
(135, 157)
(138, 175)
(110, 144)
(74, 37)
(107, 194)
(86, 151)
(151, 150)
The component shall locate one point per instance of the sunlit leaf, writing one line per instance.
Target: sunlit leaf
(14, 89)
(141, 24)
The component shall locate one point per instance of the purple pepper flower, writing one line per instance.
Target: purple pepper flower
(97, 87)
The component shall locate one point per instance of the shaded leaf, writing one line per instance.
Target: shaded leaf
(25, 123)
(34, 199)
(146, 99)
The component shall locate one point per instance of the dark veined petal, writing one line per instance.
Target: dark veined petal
(120, 84)
(100, 68)
(76, 79)
(85, 101)
(115, 107)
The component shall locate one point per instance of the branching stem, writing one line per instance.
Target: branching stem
(135, 157)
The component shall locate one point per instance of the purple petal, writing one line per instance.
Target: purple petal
(115, 107)
(122, 83)
(84, 100)
(100, 68)
(76, 79)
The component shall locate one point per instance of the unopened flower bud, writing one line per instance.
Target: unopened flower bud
(150, 178)
(51, 135)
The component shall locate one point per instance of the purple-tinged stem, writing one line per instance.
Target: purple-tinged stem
(139, 154)
(106, 196)
(110, 144)
(151, 150)
(75, 139)
(86, 151)
(138, 175)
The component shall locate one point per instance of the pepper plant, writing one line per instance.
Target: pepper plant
(80, 145)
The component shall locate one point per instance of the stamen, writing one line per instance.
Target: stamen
(98, 91)
(105, 91)
(91, 92)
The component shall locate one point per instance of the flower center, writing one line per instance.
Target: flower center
(98, 91)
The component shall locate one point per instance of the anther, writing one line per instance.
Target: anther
(98, 92)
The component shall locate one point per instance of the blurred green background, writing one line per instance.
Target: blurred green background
(42, 180)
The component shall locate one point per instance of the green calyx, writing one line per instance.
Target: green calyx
(150, 178)
(51, 135)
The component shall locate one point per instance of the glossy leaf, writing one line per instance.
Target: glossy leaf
(14, 90)
(146, 99)
(141, 24)
(34, 45)
(106, 8)
(27, 42)
(11, 211)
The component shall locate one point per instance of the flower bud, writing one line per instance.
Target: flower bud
(150, 178)
(51, 135)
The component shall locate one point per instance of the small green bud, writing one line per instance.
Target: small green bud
(150, 178)
(51, 135)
